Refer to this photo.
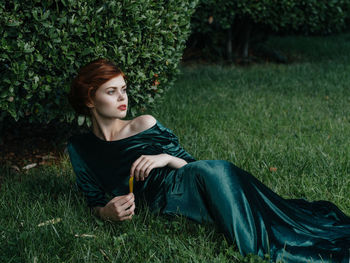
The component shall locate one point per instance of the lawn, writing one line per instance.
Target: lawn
(286, 124)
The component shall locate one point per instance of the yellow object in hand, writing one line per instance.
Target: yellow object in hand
(131, 184)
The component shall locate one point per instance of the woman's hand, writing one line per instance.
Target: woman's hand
(145, 163)
(142, 167)
(120, 208)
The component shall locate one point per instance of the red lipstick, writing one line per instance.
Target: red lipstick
(122, 107)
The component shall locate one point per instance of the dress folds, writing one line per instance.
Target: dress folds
(249, 214)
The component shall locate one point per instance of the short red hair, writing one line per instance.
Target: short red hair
(89, 79)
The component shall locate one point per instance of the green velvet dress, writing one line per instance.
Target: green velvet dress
(245, 210)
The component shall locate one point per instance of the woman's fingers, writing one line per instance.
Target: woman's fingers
(125, 207)
(143, 169)
(136, 166)
(120, 208)
(128, 213)
(140, 167)
(133, 166)
(123, 203)
(149, 169)
(139, 170)
(123, 199)
(127, 204)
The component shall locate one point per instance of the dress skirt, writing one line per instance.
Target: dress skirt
(254, 217)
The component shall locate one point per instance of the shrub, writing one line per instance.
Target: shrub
(43, 43)
(241, 21)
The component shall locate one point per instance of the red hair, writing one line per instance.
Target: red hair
(89, 79)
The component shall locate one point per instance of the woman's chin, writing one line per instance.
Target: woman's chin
(120, 116)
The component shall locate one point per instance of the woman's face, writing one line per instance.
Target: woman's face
(111, 100)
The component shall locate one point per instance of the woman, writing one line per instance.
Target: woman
(171, 181)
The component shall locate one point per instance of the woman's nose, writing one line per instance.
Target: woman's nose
(121, 96)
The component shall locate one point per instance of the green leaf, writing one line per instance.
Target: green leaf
(81, 120)
(14, 23)
(39, 58)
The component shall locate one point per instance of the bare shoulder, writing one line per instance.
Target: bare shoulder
(142, 123)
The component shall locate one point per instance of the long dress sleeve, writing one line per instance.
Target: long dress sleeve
(86, 183)
(172, 146)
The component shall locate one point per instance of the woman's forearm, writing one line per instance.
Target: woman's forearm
(176, 162)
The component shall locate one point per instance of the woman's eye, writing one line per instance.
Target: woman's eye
(110, 92)
(124, 90)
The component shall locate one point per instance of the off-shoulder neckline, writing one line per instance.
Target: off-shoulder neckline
(126, 138)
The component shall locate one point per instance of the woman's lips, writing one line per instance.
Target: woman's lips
(122, 107)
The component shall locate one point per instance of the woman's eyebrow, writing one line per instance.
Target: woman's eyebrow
(112, 87)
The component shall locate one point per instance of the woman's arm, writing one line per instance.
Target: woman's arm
(176, 162)
(145, 163)
(120, 208)
(142, 167)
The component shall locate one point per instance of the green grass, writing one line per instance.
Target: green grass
(293, 117)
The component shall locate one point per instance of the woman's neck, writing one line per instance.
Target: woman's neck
(107, 129)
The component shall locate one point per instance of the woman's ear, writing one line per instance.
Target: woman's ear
(90, 103)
